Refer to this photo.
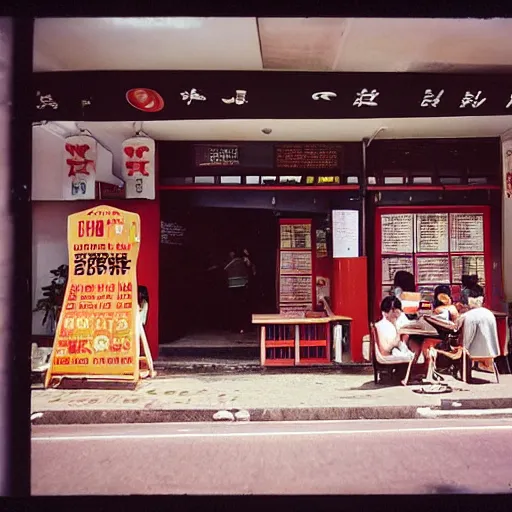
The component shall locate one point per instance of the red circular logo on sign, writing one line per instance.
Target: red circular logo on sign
(146, 100)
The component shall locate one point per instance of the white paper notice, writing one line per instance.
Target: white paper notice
(345, 233)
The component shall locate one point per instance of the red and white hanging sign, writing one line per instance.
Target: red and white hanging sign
(80, 158)
(138, 169)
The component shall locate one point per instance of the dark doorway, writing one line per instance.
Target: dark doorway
(194, 251)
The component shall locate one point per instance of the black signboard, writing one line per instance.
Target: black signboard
(307, 156)
(217, 156)
(162, 95)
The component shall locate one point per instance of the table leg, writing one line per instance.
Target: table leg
(431, 365)
(414, 360)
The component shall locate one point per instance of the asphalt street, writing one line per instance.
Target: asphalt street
(322, 457)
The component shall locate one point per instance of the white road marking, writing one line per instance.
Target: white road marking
(111, 437)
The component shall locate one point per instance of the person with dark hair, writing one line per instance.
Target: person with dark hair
(403, 282)
(468, 283)
(479, 328)
(393, 319)
(443, 304)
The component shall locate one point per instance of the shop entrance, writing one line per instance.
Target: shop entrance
(198, 314)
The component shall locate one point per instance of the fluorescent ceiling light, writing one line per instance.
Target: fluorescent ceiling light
(168, 22)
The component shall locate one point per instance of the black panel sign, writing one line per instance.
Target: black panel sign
(217, 156)
(307, 156)
(161, 95)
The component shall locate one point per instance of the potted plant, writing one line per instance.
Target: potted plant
(53, 297)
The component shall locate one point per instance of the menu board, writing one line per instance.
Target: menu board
(432, 232)
(468, 265)
(392, 264)
(433, 270)
(307, 156)
(296, 289)
(295, 236)
(321, 243)
(217, 156)
(296, 262)
(397, 233)
(172, 233)
(467, 232)
(97, 332)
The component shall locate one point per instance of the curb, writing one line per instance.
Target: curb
(89, 417)
(468, 408)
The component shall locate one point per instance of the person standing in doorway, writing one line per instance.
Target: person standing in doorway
(237, 271)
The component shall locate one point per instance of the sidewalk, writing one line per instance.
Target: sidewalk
(266, 397)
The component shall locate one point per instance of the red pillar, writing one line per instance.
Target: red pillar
(147, 263)
(350, 298)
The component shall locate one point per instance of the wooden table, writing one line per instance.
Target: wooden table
(294, 332)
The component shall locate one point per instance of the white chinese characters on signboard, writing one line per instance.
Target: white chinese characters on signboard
(430, 99)
(240, 98)
(472, 100)
(366, 98)
(191, 96)
(80, 158)
(509, 104)
(138, 169)
(46, 100)
(324, 95)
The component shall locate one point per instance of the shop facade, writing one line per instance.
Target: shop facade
(431, 206)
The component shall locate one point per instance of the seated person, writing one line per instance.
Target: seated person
(443, 304)
(479, 328)
(393, 319)
(468, 283)
(403, 282)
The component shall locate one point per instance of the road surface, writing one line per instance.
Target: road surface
(323, 457)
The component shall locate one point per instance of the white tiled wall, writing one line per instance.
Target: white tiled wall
(49, 246)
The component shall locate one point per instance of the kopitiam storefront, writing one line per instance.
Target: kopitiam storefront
(328, 184)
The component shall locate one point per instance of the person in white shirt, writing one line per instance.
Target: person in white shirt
(393, 319)
(479, 328)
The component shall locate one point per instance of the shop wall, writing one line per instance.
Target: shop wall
(507, 215)
(49, 248)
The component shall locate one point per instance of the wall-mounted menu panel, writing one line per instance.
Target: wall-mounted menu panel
(321, 243)
(469, 266)
(297, 289)
(447, 243)
(466, 232)
(432, 270)
(392, 264)
(397, 233)
(295, 236)
(296, 262)
(296, 256)
(432, 232)
(172, 233)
